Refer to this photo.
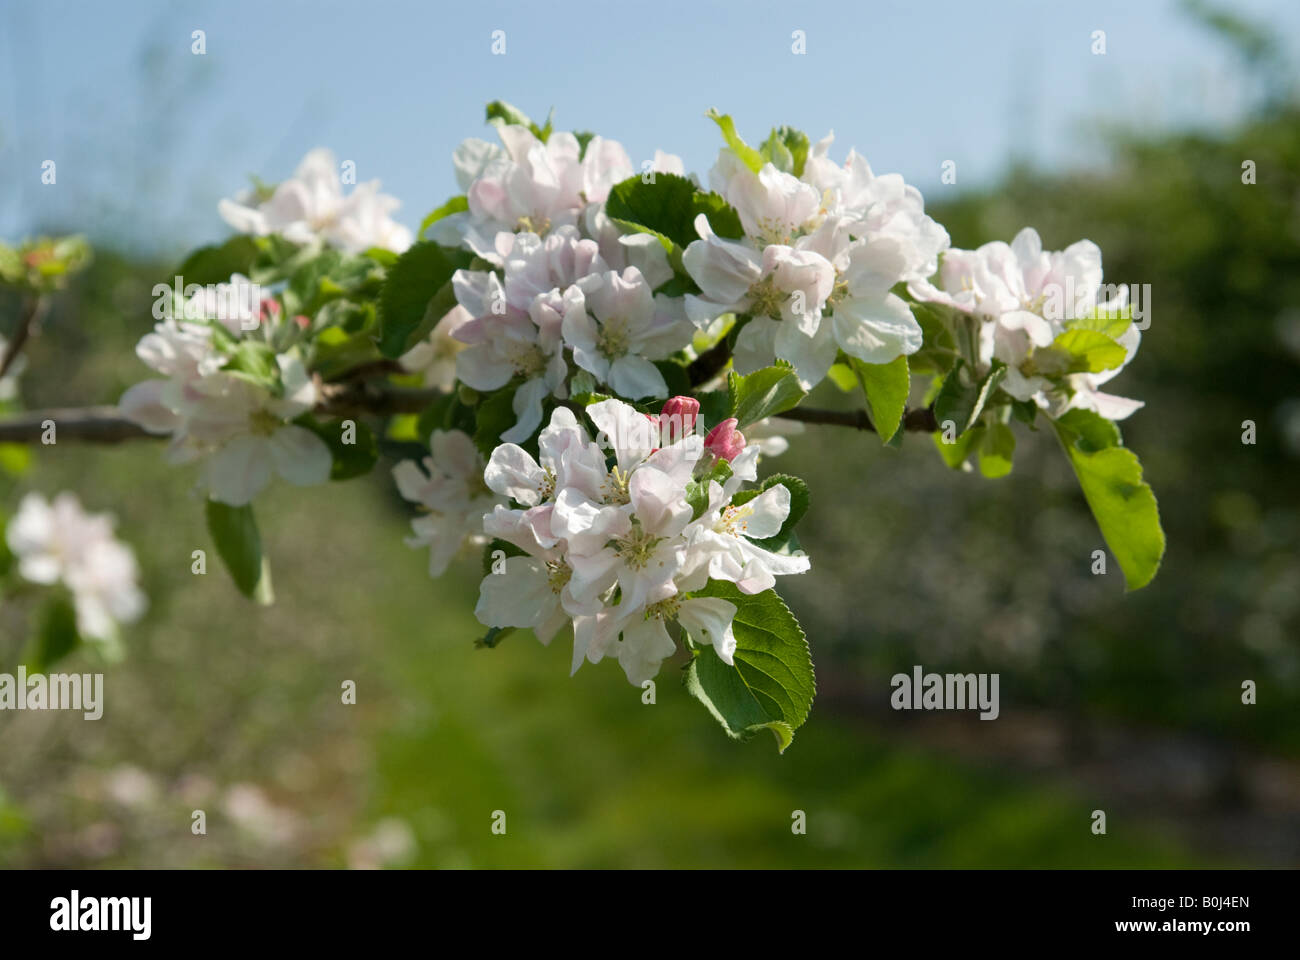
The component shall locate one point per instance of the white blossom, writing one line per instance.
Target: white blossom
(59, 542)
(451, 493)
(311, 205)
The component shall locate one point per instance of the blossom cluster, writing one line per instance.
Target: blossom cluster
(561, 329)
(240, 429)
(818, 262)
(567, 290)
(59, 542)
(1024, 298)
(614, 546)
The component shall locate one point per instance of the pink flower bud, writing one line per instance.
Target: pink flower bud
(303, 321)
(725, 441)
(677, 419)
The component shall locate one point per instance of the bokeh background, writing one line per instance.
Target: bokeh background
(1126, 703)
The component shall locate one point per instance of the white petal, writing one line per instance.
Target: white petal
(239, 470)
(300, 456)
(708, 620)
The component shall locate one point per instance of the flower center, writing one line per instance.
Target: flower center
(528, 359)
(557, 575)
(539, 224)
(766, 299)
(263, 422)
(665, 609)
(612, 341)
(637, 547)
(615, 487)
(734, 520)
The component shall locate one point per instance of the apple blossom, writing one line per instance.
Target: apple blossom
(311, 205)
(59, 542)
(1023, 298)
(451, 494)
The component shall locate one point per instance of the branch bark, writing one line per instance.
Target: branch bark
(25, 324)
(106, 424)
(920, 420)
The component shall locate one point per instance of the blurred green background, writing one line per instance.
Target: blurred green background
(1126, 703)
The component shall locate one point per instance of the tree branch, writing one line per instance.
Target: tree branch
(920, 420)
(25, 324)
(85, 424)
(707, 365)
(106, 424)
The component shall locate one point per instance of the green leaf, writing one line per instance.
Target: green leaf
(234, 531)
(697, 490)
(997, 448)
(493, 417)
(499, 112)
(1078, 351)
(458, 204)
(961, 400)
(787, 149)
(772, 685)
(886, 386)
(748, 155)
(254, 361)
(334, 351)
(842, 375)
(954, 454)
(349, 459)
(1122, 503)
(764, 393)
(57, 635)
(668, 208)
(422, 273)
(494, 636)
(216, 263)
(1113, 323)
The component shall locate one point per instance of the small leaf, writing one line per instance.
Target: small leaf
(997, 448)
(234, 531)
(1083, 351)
(961, 401)
(954, 454)
(668, 208)
(748, 155)
(457, 204)
(886, 386)
(254, 361)
(493, 417)
(422, 273)
(1123, 505)
(57, 635)
(216, 263)
(772, 684)
(349, 459)
(763, 393)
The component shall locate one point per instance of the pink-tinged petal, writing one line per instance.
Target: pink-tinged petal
(724, 440)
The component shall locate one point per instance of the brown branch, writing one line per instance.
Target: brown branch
(920, 420)
(25, 324)
(107, 425)
(710, 363)
(85, 424)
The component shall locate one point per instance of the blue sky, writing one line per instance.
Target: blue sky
(147, 136)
